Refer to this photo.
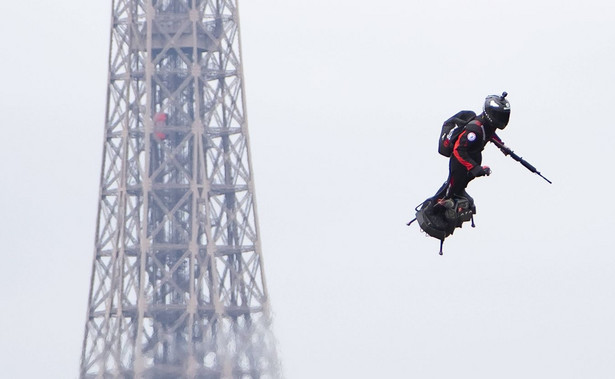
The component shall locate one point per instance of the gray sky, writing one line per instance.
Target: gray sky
(345, 101)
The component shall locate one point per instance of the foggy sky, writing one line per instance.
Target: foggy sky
(345, 100)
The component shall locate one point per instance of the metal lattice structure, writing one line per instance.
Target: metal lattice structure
(177, 289)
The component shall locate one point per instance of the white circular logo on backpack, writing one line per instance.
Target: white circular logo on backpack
(471, 137)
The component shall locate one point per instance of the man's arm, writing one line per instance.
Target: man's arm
(470, 140)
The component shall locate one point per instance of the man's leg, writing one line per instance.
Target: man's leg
(458, 180)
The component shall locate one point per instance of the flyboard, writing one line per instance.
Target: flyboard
(440, 219)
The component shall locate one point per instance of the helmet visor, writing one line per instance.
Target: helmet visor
(499, 118)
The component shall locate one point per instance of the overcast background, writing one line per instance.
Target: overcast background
(345, 102)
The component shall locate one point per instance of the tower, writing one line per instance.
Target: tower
(177, 288)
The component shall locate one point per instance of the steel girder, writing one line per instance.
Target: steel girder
(177, 287)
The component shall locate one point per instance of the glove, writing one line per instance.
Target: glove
(480, 171)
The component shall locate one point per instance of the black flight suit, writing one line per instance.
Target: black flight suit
(465, 162)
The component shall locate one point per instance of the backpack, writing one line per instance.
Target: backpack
(451, 129)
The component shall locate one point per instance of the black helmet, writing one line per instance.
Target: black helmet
(497, 110)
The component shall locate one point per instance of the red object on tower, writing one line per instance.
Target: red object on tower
(160, 121)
